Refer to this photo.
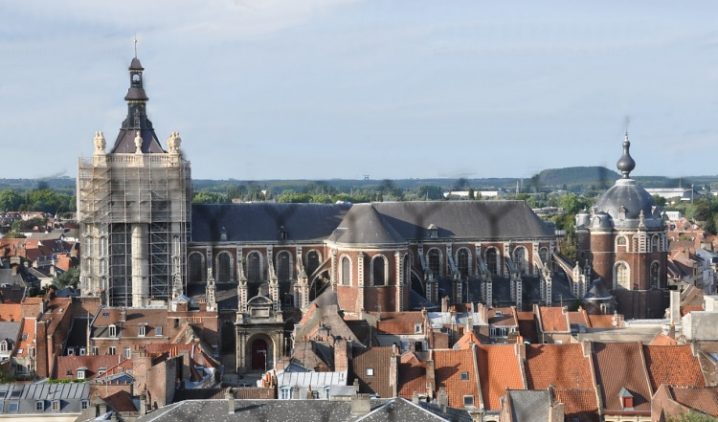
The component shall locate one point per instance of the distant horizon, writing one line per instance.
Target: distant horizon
(335, 89)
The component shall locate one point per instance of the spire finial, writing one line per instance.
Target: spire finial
(135, 45)
(626, 164)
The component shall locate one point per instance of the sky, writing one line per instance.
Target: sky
(321, 89)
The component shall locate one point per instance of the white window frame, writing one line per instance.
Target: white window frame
(112, 330)
(141, 331)
(369, 372)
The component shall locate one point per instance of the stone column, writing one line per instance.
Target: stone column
(399, 305)
(140, 266)
(360, 279)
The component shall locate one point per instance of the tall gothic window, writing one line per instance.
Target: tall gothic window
(283, 266)
(346, 271)
(463, 261)
(435, 262)
(379, 270)
(407, 270)
(655, 275)
(312, 262)
(492, 261)
(655, 243)
(196, 267)
(623, 279)
(621, 244)
(223, 267)
(254, 267)
(520, 259)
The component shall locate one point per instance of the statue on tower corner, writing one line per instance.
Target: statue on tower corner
(138, 143)
(99, 141)
(174, 142)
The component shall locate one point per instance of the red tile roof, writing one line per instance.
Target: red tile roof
(450, 366)
(467, 341)
(566, 368)
(400, 323)
(10, 311)
(663, 340)
(703, 399)
(620, 365)
(67, 365)
(27, 336)
(499, 370)
(579, 317)
(554, 320)
(378, 360)
(412, 376)
(601, 321)
(673, 365)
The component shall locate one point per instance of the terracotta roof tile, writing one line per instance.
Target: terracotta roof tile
(400, 323)
(467, 341)
(553, 319)
(601, 321)
(703, 399)
(10, 311)
(673, 365)
(566, 368)
(455, 371)
(499, 370)
(412, 376)
(579, 318)
(372, 369)
(27, 336)
(663, 340)
(620, 365)
(67, 365)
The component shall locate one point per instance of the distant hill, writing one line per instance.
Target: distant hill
(599, 177)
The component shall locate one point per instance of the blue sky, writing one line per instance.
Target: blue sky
(265, 89)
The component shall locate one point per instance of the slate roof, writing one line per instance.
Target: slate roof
(70, 397)
(484, 220)
(10, 331)
(618, 366)
(262, 222)
(499, 370)
(564, 367)
(529, 405)
(258, 410)
(673, 365)
(373, 223)
(400, 410)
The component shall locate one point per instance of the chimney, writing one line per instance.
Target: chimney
(675, 307)
(394, 370)
(360, 405)
(521, 350)
(143, 404)
(123, 314)
(341, 355)
(443, 399)
(430, 377)
(229, 396)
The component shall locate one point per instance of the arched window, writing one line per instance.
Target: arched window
(346, 276)
(407, 270)
(435, 262)
(492, 260)
(621, 244)
(196, 267)
(254, 267)
(520, 259)
(543, 253)
(224, 267)
(655, 243)
(313, 261)
(378, 270)
(623, 277)
(462, 261)
(655, 275)
(284, 266)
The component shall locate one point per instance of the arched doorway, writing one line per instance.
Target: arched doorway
(259, 353)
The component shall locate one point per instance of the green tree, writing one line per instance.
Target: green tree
(206, 197)
(70, 277)
(692, 417)
(10, 200)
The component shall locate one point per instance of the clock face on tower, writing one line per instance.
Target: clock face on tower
(136, 78)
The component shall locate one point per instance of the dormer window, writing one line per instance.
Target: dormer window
(158, 331)
(417, 328)
(142, 330)
(81, 373)
(626, 399)
(3, 346)
(56, 405)
(113, 330)
(433, 231)
(282, 233)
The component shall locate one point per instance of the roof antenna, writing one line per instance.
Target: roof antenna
(135, 45)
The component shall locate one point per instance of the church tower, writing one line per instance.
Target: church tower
(134, 210)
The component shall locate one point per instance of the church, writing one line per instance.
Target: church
(144, 244)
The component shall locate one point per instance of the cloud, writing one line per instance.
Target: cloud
(223, 19)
